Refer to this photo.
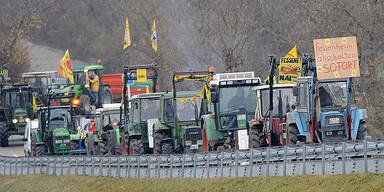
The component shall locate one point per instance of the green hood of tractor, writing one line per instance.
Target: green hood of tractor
(20, 112)
(60, 132)
(75, 88)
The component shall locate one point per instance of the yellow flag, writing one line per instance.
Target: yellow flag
(292, 53)
(154, 36)
(65, 69)
(147, 89)
(127, 35)
(34, 103)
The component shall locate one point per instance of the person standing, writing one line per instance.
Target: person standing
(95, 85)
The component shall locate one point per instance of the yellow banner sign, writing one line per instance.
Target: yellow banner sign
(336, 58)
(141, 75)
(289, 70)
(4, 72)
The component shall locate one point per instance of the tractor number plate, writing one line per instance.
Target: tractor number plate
(334, 120)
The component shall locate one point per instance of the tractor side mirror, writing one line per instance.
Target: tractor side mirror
(214, 97)
(295, 91)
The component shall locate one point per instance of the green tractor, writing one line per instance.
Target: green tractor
(53, 134)
(16, 110)
(177, 130)
(81, 88)
(231, 105)
(104, 135)
(145, 111)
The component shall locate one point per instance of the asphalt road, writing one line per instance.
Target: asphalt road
(15, 148)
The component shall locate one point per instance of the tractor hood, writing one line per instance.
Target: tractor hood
(61, 132)
(20, 112)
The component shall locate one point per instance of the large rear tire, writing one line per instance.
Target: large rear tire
(257, 138)
(3, 135)
(362, 132)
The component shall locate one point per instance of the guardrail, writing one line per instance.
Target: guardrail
(315, 159)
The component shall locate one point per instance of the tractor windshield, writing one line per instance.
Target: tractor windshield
(234, 99)
(59, 118)
(333, 94)
(282, 97)
(187, 109)
(17, 99)
(112, 119)
(150, 109)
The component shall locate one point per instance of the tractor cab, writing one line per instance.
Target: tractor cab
(18, 110)
(284, 102)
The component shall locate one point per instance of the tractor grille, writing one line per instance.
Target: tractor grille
(193, 134)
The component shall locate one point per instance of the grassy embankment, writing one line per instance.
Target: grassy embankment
(40, 183)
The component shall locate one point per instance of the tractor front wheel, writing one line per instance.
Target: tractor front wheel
(136, 147)
(362, 132)
(103, 147)
(257, 137)
(293, 135)
(3, 135)
(40, 150)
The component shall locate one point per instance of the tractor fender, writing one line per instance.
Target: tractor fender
(159, 126)
(358, 116)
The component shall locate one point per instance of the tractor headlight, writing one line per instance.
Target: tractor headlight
(187, 143)
(328, 133)
(58, 141)
(199, 142)
(27, 120)
(14, 121)
(66, 141)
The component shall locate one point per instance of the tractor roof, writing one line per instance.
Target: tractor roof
(147, 95)
(94, 67)
(43, 74)
(109, 107)
(274, 86)
(54, 107)
(181, 94)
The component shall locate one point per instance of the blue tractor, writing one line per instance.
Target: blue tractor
(324, 111)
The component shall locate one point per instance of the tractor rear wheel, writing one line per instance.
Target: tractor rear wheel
(3, 135)
(257, 137)
(136, 147)
(107, 95)
(362, 132)
(293, 135)
(40, 150)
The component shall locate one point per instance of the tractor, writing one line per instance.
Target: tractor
(231, 105)
(16, 110)
(324, 111)
(145, 111)
(177, 130)
(52, 137)
(103, 137)
(260, 134)
(81, 88)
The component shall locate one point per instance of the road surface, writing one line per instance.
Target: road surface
(15, 148)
